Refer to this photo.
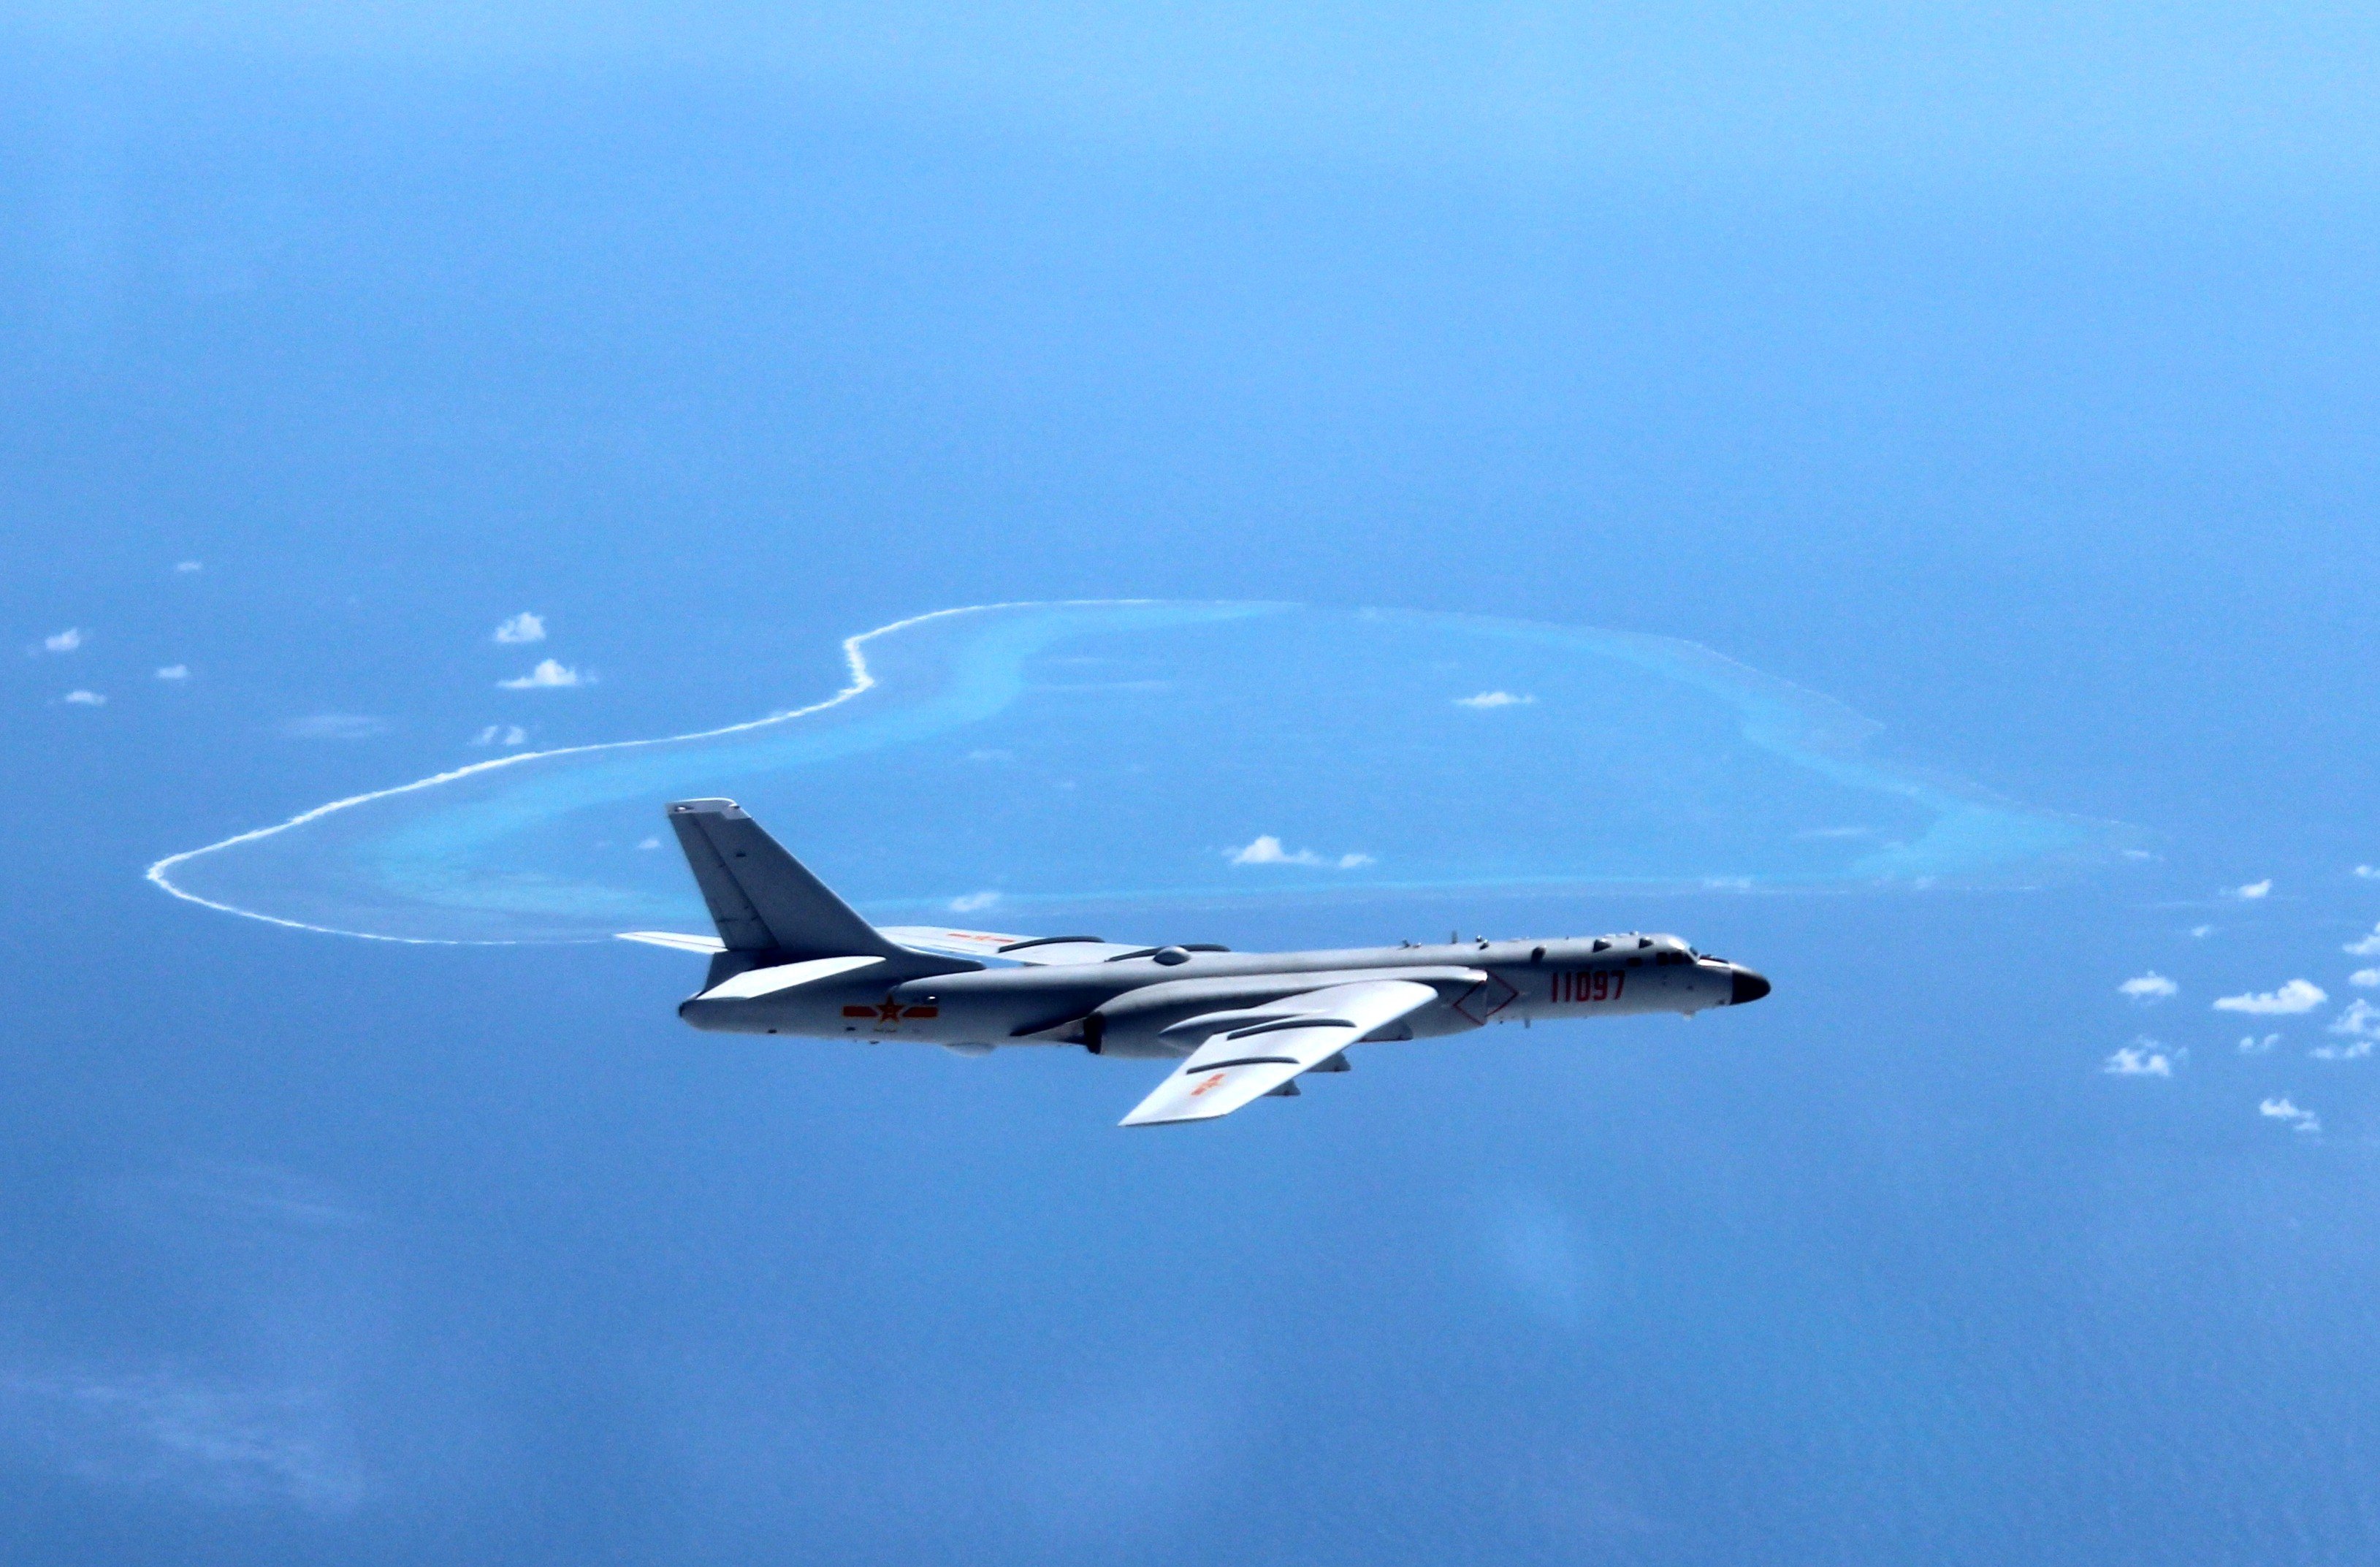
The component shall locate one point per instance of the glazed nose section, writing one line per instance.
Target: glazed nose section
(1749, 987)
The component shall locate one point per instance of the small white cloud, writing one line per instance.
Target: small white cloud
(2254, 890)
(2201, 931)
(2369, 873)
(2144, 1058)
(2360, 1021)
(2358, 1027)
(2138, 854)
(86, 699)
(522, 627)
(2298, 995)
(2298, 1120)
(1494, 700)
(500, 734)
(2149, 987)
(2366, 978)
(1267, 850)
(648, 843)
(974, 901)
(2251, 1045)
(65, 641)
(2366, 946)
(175, 672)
(185, 567)
(549, 674)
(334, 726)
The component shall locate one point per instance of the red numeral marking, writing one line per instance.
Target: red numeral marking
(1577, 987)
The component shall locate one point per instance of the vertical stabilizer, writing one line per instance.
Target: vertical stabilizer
(760, 897)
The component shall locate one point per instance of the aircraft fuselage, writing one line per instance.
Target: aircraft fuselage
(1123, 1006)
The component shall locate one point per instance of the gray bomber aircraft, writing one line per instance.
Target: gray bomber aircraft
(793, 958)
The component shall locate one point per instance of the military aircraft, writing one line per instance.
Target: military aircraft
(793, 958)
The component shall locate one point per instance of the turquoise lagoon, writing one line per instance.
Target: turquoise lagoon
(997, 765)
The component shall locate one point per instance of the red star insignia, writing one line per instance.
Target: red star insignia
(889, 1011)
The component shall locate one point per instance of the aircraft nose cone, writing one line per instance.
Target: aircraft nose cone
(1749, 987)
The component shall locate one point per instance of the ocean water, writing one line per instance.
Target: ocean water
(1711, 388)
(1031, 756)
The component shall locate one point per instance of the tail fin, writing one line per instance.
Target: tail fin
(760, 897)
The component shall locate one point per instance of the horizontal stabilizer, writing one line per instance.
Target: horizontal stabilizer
(672, 939)
(755, 982)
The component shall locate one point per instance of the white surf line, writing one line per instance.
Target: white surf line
(861, 682)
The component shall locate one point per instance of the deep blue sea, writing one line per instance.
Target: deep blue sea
(1938, 573)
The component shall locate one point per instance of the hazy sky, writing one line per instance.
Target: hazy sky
(2178, 94)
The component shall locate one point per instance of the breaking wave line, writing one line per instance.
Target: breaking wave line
(862, 681)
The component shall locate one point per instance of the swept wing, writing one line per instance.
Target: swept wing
(1250, 1059)
(942, 940)
(1015, 949)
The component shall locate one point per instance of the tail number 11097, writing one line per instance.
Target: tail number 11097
(1579, 985)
